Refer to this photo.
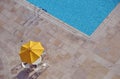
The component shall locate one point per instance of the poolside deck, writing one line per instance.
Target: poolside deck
(71, 54)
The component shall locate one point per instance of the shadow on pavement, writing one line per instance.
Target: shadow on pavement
(24, 74)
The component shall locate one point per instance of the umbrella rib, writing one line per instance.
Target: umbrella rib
(35, 53)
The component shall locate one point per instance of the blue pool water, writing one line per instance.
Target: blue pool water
(84, 15)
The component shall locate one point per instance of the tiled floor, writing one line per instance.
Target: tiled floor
(71, 54)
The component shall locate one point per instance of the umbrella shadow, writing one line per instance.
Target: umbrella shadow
(24, 74)
(35, 75)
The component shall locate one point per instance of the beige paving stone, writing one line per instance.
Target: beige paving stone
(19, 20)
(70, 49)
(37, 31)
(43, 75)
(109, 49)
(116, 77)
(1, 8)
(60, 58)
(18, 34)
(57, 42)
(1, 23)
(1, 76)
(1, 65)
(8, 14)
(79, 74)
(94, 70)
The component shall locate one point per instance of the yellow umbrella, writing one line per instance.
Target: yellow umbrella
(31, 51)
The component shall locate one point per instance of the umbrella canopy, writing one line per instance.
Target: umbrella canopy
(31, 51)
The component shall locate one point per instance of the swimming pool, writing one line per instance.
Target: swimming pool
(84, 15)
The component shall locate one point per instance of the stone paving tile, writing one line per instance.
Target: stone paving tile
(1, 65)
(1, 76)
(37, 31)
(1, 23)
(94, 70)
(116, 77)
(109, 49)
(1, 8)
(79, 74)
